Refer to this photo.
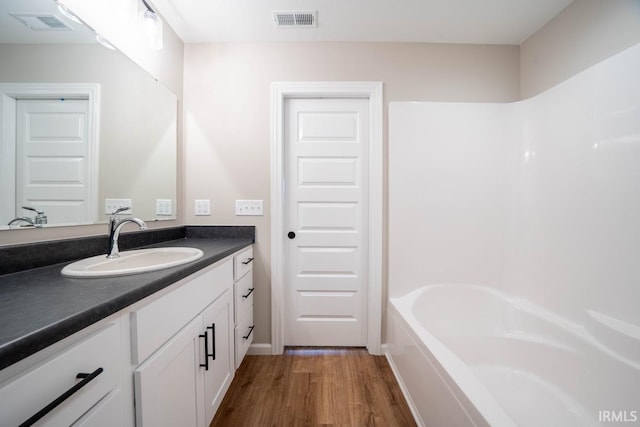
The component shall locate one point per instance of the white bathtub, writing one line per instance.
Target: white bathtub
(470, 355)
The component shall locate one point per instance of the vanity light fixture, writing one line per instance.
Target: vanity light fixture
(151, 26)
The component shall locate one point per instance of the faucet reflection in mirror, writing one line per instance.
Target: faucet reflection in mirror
(39, 220)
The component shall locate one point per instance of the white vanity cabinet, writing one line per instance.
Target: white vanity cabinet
(166, 360)
(243, 303)
(185, 345)
(82, 375)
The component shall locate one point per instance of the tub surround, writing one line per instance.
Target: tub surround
(534, 203)
(536, 198)
(38, 306)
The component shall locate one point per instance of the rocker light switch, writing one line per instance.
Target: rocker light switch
(249, 207)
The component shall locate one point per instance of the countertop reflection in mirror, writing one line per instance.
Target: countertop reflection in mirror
(80, 124)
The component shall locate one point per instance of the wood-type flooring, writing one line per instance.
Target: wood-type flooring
(314, 387)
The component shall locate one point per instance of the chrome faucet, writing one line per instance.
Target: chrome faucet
(40, 218)
(38, 221)
(113, 219)
(114, 233)
(24, 219)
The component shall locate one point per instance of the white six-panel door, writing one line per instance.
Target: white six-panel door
(326, 172)
(53, 159)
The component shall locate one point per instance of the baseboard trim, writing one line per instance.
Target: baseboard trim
(259, 350)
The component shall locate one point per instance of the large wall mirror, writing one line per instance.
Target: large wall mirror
(82, 127)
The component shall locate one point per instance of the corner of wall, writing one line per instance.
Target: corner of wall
(583, 34)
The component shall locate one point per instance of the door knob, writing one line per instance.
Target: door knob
(291, 235)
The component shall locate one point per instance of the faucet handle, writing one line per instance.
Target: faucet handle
(120, 209)
(29, 208)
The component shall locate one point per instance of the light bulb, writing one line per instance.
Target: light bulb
(151, 27)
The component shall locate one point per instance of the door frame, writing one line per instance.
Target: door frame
(10, 93)
(372, 91)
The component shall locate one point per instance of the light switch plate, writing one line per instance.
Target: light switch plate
(249, 207)
(203, 207)
(110, 206)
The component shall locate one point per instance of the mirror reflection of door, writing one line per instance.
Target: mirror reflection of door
(53, 157)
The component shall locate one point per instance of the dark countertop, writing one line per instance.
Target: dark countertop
(39, 306)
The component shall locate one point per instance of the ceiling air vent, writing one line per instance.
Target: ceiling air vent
(42, 22)
(295, 19)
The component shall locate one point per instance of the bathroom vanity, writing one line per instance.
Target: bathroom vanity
(81, 351)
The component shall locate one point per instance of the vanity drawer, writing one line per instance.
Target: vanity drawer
(243, 263)
(155, 323)
(244, 337)
(243, 294)
(108, 412)
(25, 395)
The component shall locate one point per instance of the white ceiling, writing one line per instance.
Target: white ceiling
(434, 21)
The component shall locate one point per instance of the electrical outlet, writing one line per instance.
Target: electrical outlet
(203, 207)
(163, 207)
(110, 206)
(249, 207)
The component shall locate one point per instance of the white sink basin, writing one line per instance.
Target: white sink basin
(132, 262)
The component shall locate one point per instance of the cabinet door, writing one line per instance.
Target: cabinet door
(168, 385)
(218, 321)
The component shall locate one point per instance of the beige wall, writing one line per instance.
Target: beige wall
(227, 113)
(585, 33)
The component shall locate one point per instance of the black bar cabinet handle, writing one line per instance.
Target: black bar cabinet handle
(249, 293)
(246, 337)
(86, 379)
(205, 365)
(247, 261)
(213, 341)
